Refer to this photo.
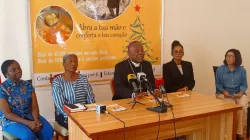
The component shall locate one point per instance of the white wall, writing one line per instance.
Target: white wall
(14, 34)
(206, 28)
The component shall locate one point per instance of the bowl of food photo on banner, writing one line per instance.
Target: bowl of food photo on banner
(54, 25)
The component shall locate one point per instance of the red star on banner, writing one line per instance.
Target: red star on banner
(137, 8)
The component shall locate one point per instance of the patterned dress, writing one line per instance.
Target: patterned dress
(66, 92)
(19, 98)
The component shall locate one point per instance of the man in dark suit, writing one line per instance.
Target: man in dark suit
(178, 74)
(134, 64)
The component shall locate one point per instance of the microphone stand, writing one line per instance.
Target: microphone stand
(134, 101)
(163, 91)
(160, 109)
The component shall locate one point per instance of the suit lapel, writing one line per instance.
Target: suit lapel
(175, 68)
(183, 66)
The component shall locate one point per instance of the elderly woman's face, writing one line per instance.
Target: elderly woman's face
(230, 58)
(71, 63)
(14, 71)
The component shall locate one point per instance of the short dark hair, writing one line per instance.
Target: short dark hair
(6, 65)
(238, 59)
(175, 44)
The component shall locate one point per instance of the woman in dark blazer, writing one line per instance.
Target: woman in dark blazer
(178, 74)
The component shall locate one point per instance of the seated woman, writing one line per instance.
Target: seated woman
(231, 85)
(19, 112)
(178, 74)
(70, 88)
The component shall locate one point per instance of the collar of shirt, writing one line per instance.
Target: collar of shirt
(136, 64)
(11, 83)
(172, 61)
(228, 70)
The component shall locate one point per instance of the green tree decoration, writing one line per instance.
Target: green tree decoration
(138, 34)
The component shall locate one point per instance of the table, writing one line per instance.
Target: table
(199, 117)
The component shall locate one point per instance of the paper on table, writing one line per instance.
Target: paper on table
(91, 107)
(116, 108)
(182, 95)
(151, 99)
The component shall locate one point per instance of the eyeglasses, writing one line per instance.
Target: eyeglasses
(230, 56)
(178, 52)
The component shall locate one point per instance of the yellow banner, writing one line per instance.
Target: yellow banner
(98, 31)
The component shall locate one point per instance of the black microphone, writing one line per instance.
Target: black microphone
(141, 77)
(163, 91)
(132, 79)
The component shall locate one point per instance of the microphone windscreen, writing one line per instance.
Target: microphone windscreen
(131, 76)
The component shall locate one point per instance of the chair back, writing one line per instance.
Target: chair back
(112, 85)
(158, 82)
(215, 68)
(60, 130)
(51, 78)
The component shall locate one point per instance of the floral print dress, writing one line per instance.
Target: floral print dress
(19, 98)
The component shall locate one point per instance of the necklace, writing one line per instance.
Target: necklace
(140, 88)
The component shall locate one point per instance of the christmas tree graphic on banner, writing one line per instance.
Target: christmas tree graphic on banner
(138, 34)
